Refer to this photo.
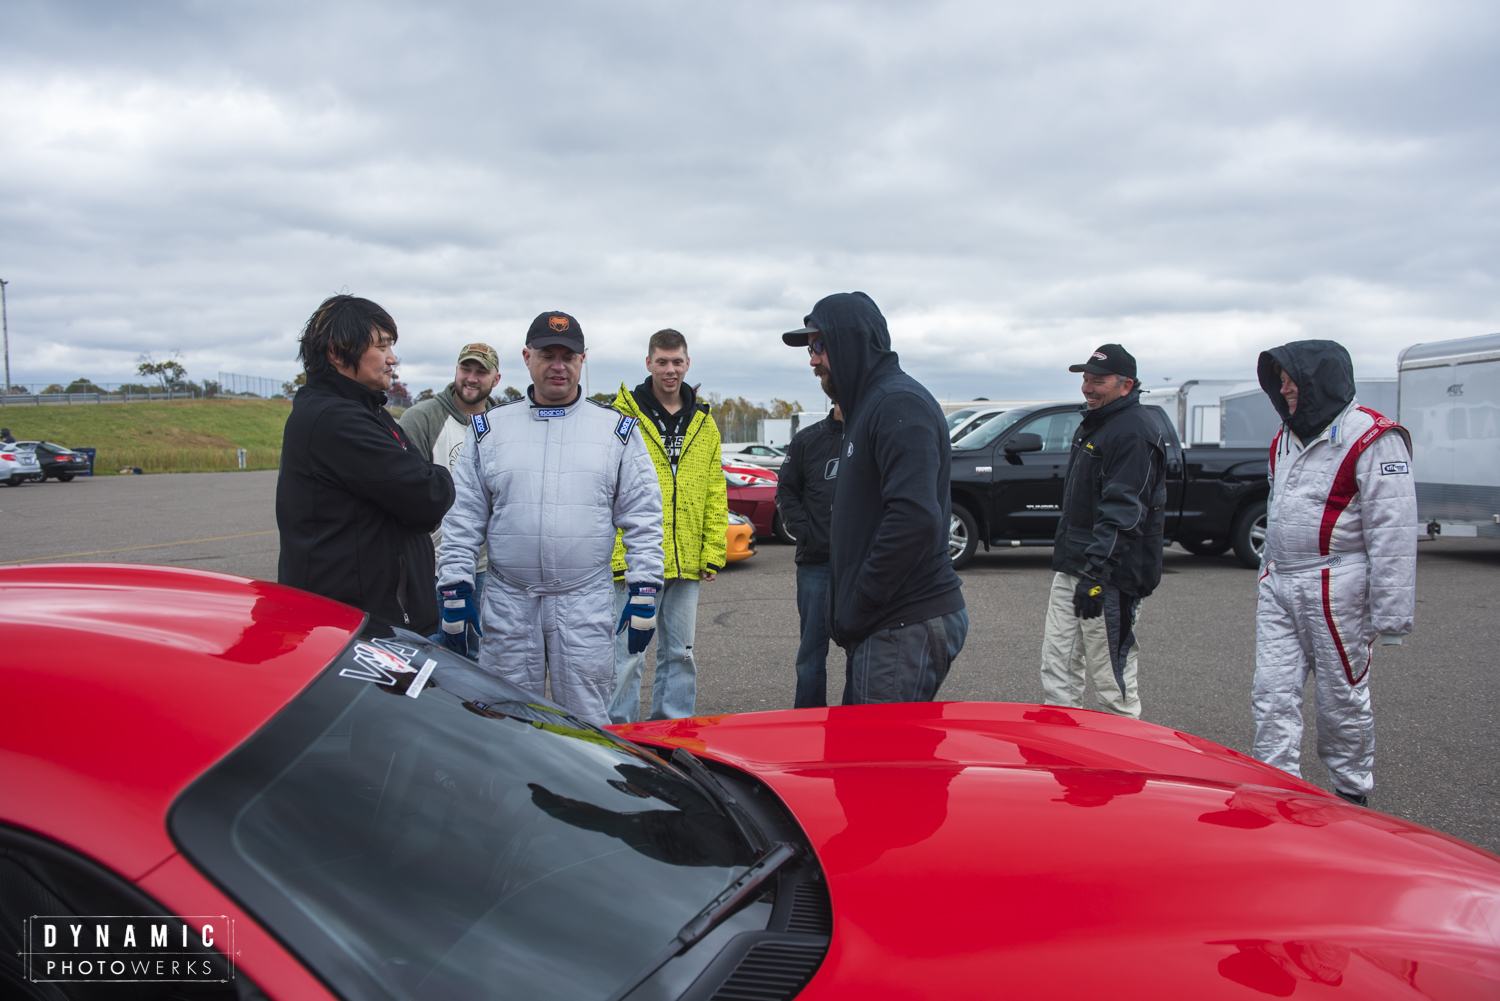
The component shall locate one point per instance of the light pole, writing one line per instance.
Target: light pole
(5, 323)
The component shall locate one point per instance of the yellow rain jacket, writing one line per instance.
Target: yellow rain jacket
(694, 502)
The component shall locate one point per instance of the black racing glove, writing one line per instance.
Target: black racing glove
(1088, 599)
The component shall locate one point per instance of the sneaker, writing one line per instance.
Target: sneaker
(1360, 800)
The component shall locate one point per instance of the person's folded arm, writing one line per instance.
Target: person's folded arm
(365, 458)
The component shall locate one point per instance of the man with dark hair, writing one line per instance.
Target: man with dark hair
(804, 495)
(354, 504)
(683, 442)
(895, 603)
(1107, 554)
(1339, 569)
(546, 481)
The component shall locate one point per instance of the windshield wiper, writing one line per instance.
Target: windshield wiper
(705, 779)
(706, 920)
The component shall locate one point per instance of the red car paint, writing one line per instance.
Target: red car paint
(756, 503)
(989, 850)
(972, 849)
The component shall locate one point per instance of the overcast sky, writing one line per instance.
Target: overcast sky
(1012, 183)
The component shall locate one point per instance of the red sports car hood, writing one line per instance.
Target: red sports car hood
(984, 850)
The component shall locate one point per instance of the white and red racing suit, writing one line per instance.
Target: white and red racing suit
(1338, 571)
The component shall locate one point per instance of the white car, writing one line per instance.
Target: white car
(17, 466)
(754, 453)
(973, 419)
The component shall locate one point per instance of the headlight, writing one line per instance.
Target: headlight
(735, 518)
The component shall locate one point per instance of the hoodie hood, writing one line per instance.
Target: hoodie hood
(858, 344)
(1324, 376)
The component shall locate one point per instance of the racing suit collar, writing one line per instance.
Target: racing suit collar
(538, 409)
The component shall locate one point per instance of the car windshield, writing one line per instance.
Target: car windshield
(471, 842)
(965, 430)
(958, 416)
(987, 432)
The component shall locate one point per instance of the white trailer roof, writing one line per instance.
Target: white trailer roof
(1437, 354)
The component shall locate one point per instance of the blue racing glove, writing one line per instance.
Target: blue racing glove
(640, 615)
(459, 613)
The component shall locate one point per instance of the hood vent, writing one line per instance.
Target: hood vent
(811, 912)
(771, 971)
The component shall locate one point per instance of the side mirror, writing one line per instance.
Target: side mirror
(1024, 442)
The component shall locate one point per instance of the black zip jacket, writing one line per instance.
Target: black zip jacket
(888, 545)
(355, 507)
(804, 490)
(1115, 499)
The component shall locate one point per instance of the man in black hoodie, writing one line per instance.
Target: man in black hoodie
(1107, 552)
(895, 603)
(354, 505)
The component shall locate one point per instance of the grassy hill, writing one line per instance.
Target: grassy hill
(176, 436)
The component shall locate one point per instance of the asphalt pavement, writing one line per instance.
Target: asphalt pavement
(1437, 698)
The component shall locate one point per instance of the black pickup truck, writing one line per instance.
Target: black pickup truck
(1008, 476)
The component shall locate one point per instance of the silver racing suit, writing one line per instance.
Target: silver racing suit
(547, 487)
(1338, 572)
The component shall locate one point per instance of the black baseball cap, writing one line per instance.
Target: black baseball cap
(1109, 359)
(799, 338)
(555, 327)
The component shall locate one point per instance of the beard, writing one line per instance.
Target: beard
(825, 377)
(470, 396)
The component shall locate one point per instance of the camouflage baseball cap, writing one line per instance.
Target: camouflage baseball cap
(482, 353)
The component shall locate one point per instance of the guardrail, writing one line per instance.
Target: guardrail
(63, 399)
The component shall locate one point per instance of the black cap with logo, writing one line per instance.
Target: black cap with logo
(799, 338)
(1109, 359)
(555, 327)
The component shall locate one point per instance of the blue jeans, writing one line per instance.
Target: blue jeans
(812, 654)
(675, 691)
(905, 663)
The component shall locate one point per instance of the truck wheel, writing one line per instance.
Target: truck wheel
(963, 537)
(1250, 534)
(1206, 547)
(782, 532)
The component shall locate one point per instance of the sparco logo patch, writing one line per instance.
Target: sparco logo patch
(481, 427)
(623, 429)
(1394, 467)
(547, 413)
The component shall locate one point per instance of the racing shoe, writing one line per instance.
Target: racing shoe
(1357, 800)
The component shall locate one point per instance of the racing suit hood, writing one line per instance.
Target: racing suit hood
(1324, 375)
(858, 345)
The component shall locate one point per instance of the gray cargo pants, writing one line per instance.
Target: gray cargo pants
(905, 663)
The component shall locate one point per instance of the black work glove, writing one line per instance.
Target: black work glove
(1088, 599)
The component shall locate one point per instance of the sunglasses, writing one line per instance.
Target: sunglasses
(814, 347)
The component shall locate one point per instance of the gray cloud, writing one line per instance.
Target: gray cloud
(1012, 185)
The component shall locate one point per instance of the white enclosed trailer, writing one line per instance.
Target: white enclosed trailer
(1248, 420)
(1450, 402)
